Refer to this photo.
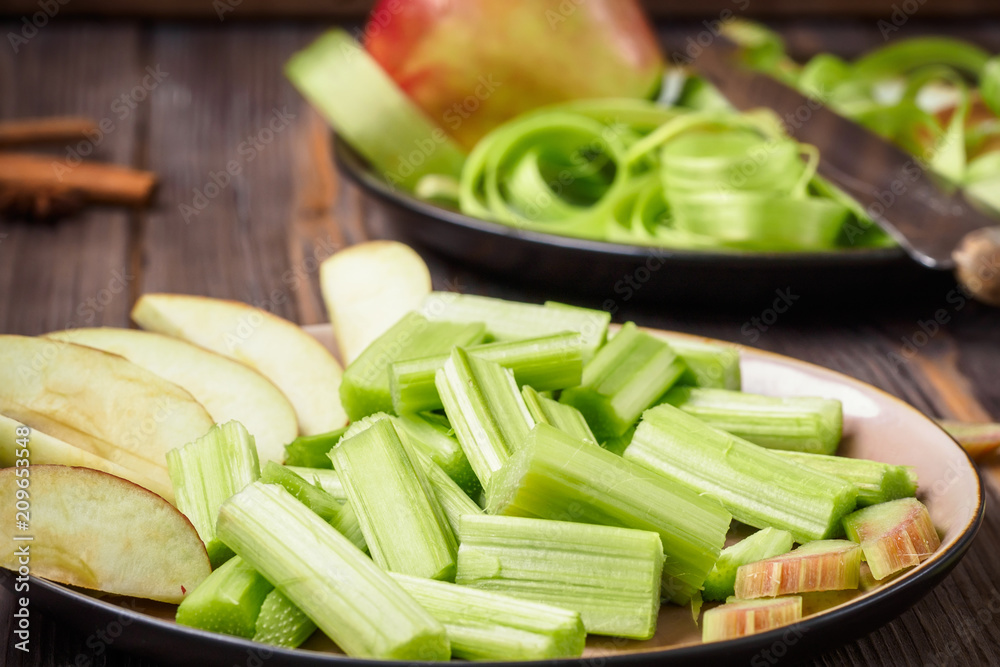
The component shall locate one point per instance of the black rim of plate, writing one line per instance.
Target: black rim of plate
(357, 169)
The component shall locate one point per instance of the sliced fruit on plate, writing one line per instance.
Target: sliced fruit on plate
(894, 535)
(740, 618)
(367, 288)
(229, 390)
(44, 449)
(99, 402)
(824, 565)
(281, 351)
(96, 531)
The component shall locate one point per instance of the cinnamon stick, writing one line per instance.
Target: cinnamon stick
(22, 132)
(96, 182)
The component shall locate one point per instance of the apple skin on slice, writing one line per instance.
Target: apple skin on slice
(99, 402)
(304, 371)
(229, 390)
(367, 288)
(97, 531)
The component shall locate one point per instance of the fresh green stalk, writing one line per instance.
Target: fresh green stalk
(875, 482)
(550, 362)
(708, 365)
(364, 387)
(763, 544)
(281, 623)
(894, 535)
(310, 451)
(433, 435)
(401, 518)
(610, 575)
(327, 479)
(324, 575)
(625, 377)
(618, 445)
(310, 495)
(483, 625)
(322, 492)
(556, 476)
(228, 601)
(564, 417)
(510, 320)
(801, 424)
(206, 472)
(454, 501)
(759, 486)
(484, 406)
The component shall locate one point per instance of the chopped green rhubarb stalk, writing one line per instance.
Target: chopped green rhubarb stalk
(708, 365)
(377, 118)
(618, 445)
(763, 544)
(511, 320)
(894, 535)
(401, 517)
(281, 623)
(550, 362)
(759, 486)
(977, 439)
(484, 406)
(454, 501)
(327, 479)
(344, 519)
(625, 377)
(824, 565)
(747, 617)
(310, 451)
(364, 388)
(483, 625)
(556, 476)
(206, 472)
(309, 494)
(876, 482)
(566, 418)
(800, 424)
(228, 601)
(433, 435)
(610, 575)
(353, 601)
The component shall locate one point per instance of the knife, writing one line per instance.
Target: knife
(932, 221)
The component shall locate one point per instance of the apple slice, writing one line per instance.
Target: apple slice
(99, 402)
(282, 352)
(229, 390)
(823, 565)
(893, 535)
(367, 288)
(97, 531)
(45, 449)
(740, 618)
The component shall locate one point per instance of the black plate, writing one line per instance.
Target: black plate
(602, 269)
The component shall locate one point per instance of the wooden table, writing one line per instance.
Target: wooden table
(208, 88)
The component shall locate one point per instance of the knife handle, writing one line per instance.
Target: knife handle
(977, 264)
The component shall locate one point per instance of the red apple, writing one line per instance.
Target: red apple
(473, 64)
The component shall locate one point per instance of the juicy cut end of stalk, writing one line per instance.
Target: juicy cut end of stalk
(206, 472)
(484, 406)
(546, 363)
(610, 575)
(281, 623)
(564, 417)
(402, 520)
(625, 377)
(797, 423)
(747, 617)
(708, 365)
(228, 601)
(894, 535)
(766, 543)
(485, 625)
(824, 565)
(322, 573)
(365, 387)
(559, 477)
(759, 486)
(310, 451)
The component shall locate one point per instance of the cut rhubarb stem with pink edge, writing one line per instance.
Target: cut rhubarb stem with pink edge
(740, 618)
(978, 440)
(824, 565)
(894, 535)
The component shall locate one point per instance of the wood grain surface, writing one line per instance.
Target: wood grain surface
(195, 95)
